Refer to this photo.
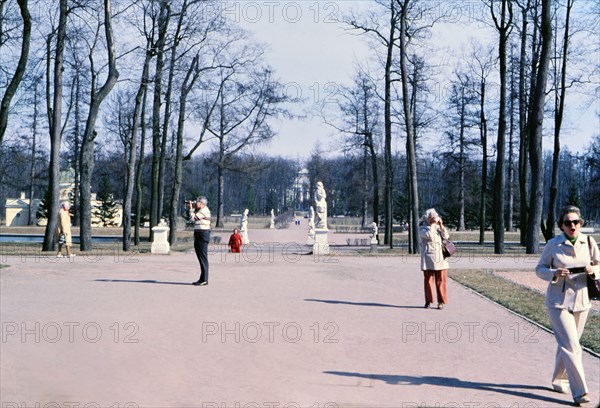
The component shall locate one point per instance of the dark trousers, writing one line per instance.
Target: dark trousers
(201, 240)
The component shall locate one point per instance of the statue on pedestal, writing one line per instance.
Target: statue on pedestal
(311, 227)
(375, 232)
(321, 207)
(244, 227)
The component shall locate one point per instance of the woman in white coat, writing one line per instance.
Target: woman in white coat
(565, 262)
(433, 264)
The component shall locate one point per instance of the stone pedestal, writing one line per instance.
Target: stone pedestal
(160, 245)
(320, 245)
(374, 243)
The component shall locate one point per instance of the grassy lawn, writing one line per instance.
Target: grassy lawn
(522, 300)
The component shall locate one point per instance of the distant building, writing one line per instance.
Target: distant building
(301, 190)
(17, 209)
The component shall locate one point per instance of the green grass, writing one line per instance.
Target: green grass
(522, 300)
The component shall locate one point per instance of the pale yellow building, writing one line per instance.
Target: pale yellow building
(17, 209)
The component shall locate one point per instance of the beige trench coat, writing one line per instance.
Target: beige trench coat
(569, 292)
(432, 258)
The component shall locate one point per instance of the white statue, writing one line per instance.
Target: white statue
(272, 226)
(311, 222)
(244, 227)
(375, 232)
(321, 206)
(311, 227)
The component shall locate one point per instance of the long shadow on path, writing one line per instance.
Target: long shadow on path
(510, 389)
(142, 281)
(343, 302)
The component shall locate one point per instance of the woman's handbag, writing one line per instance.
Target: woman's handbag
(448, 248)
(62, 239)
(593, 285)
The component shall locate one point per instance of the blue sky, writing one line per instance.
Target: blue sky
(314, 55)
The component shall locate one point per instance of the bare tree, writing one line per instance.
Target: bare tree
(21, 66)
(409, 127)
(504, 27)
(359, 106)
(55, 117)
(481, 66)
(535, 133)
(387, 37)
(97, 96)
(560, 90)
(159, 48)
(248, 96)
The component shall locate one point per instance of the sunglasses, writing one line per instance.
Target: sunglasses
(568, 223)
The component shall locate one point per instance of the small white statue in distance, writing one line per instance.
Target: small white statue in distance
(244, 227)
(375, 232)
(321, 206)
(272, 226)
(311, 227)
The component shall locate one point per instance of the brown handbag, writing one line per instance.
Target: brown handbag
(593, 285)
(448, 247)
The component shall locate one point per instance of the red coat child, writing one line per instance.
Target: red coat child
(235, 241)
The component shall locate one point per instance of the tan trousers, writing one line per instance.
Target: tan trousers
(568, 366)
(441, 285)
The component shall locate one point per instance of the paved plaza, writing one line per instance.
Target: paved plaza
(275, 327)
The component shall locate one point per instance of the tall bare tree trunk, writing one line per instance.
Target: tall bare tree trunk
(511, 161)
(21, 66)
(559, 108)
(461, 162)
(131, 160)
(410, 138)
(484, 163)
(139, 193)
(503, 28)
(56, 128)
(365, 186)
(523, 139)
(163, 24)
(375, 178)
(536, 119)
(76, 152)
(32, 217)
(190, 78)
(89, 135)
(387, 150)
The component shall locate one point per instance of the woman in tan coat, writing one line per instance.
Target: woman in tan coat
(433, 264)
(64, 227)
(564, 264)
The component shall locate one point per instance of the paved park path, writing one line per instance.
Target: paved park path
(274, 328)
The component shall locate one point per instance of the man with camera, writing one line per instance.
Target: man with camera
(200, 215)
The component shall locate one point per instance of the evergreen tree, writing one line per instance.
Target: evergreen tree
(271, 202)
(44, 207)
(107, 209)
(573, 198)
(251, 200)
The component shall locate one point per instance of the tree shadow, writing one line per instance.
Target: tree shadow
(343, 302)
(517, 390)
(142, 281)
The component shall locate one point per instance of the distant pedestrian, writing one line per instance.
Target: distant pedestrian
(235, 241)
(565, 262)
(63, 230)
(201, 217)
(433, 264)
